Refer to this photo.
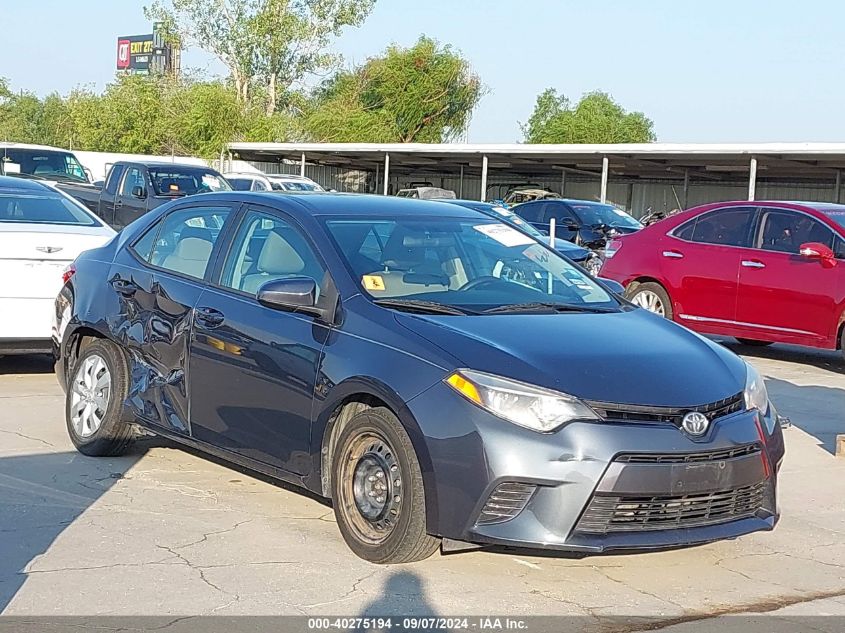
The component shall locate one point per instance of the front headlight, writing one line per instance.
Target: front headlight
(756, 396)
(532, 407)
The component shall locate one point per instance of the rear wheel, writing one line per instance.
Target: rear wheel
(97, 387)
(753, 342)
(377, 491)
(842, 342)
(653, 297)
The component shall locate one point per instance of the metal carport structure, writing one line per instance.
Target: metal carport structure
(819, 165)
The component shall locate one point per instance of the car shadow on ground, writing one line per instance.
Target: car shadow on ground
(40, 496)
(809, 407)
(829, 360)
(26, 364)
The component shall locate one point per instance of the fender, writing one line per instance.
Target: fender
(322, 425)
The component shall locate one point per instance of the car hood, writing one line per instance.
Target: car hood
(572, 251)
(629, 357)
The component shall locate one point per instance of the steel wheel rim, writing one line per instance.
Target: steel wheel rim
(90, 394)
(371, 487)
(650, 301)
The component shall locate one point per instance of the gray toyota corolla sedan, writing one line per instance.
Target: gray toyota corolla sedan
(439, 375)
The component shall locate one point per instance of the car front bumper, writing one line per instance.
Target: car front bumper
(593, 487)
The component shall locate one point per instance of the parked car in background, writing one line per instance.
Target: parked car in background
(132, 188)
(761, 272)
(583, 222)
(520, 195)
(427, 193)
(589, 260)
(42, 230)
(248, 181)
(438, 374)
(41, 162)
(292, 183)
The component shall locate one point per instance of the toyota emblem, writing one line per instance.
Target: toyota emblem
(695, 423)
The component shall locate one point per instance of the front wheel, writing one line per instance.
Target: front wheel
(653, 297)
(377, 491)
(95, 393)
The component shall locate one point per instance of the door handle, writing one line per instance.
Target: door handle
(209, 317)
(124, 286)
(750, 263)
(673, 254)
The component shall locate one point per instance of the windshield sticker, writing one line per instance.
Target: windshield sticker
(372, 282)
(504, 234)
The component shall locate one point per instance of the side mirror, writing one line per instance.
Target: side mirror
(139, 192)
(294, 294)
(820, 252)
(614, 286)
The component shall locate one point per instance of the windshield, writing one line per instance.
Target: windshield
(592, 214)
(48, 164)
(44, 208)
(176, 182)
(474, 265)
(295, 185)
(837, 215)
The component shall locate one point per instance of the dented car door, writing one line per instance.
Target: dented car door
(157, 283)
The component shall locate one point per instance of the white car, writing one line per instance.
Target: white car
(42, 230)
(264, 182)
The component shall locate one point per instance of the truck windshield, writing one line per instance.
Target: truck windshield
(170, 181)
(47, 164)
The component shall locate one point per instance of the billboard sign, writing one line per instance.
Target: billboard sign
(134, 53)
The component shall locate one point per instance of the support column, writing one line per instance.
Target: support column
(686, 188)
(484, 178)
(605, 167)
(302, 165)
(386, 171)
(375, 185)
(562, 183)
(752, 178)
(837, 191)
(461, 184)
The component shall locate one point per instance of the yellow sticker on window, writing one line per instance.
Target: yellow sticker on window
(373, 282)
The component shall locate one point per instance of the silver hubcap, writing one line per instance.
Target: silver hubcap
(89, 397)
(650, 301)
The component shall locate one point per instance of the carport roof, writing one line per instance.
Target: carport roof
(703, 161)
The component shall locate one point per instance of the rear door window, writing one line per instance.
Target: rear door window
(724, 227)
(113, 179)
(184, 241)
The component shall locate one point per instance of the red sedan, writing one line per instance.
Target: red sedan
(762, 272)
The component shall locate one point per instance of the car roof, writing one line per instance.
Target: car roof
(32, 146)
(166, 164)
(350, 204)
(10, 183)
(476, 205)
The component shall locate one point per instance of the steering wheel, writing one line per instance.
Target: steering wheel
(479, 281)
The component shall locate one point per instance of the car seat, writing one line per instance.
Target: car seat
(192, 252)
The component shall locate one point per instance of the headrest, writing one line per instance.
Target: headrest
(194, 248)
(278, 257)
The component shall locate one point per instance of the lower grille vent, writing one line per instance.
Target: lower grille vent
(506, 502)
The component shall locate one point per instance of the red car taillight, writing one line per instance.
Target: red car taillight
(612, 247)
(68, 272)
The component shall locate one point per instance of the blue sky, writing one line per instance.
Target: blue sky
(715, 71)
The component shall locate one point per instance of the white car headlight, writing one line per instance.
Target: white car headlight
(756, 396)
(532, 407)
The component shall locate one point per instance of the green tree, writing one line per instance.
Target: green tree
(267, 45)
(424, 94)
(596, 118)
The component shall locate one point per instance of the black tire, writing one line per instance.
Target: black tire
(842, 343)
(112, 436)
(374, 440)
(639, 289)
(753, 342)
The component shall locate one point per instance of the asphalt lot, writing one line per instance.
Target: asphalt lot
(165, 532)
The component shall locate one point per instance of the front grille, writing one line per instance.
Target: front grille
(638, 514)
(505, 502)
(686, 458)
(666, 415)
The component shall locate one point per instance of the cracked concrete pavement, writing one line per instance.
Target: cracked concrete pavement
(163, 531)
